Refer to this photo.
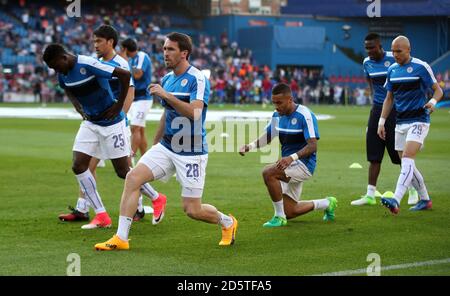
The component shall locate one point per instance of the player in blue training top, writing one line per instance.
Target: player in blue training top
(407, 83)
(182, 146)
(375, 67)
(103, 133)
(141, 69)
(296, 127)
(105, 39)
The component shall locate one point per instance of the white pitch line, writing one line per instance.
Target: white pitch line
(389, 267)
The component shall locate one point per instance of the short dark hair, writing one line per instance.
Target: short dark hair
(53, 51)
(129, 44)
(372, 36)
(108, 32)
(183, 40)
(281, 88)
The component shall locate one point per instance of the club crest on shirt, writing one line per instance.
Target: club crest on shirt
(387, 64)
(409, 70)
(184, 82)
(294, 121)
(83, 71)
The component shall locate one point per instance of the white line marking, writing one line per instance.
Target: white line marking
(390, 267)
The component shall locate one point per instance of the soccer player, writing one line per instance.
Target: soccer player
(102, 134)
(407, 83)
(182, 148)
(375, 66)
(105, 40)
(296, 127)
(141, 67)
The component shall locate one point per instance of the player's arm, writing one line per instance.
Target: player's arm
(192, 110)
(387, 108)
(129, 99)
(160, 131)
(310, 148)
(76, 104)
(124, 79)
(369, 82)
(437, 96)
(258, 143)
(137, 73)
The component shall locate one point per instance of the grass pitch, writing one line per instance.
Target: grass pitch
(36, 184)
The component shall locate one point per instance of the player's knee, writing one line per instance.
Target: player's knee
(132, 180)
(79, 168)
(267, 174)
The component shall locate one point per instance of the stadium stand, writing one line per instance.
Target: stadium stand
(245, 54)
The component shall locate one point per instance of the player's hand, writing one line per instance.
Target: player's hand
(157, 90)
(112, 112)
(244, 149)
(381, 132)
(429, 107)
(283, 163)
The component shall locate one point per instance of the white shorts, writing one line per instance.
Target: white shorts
(103, 142)
(138, 112)
(299, 173)
(190, 170)
(410, 132)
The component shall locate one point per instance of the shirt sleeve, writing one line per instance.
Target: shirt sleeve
(427, 76)
(100, 69)
(271, 128)
(310, 127)
(198, 88)
(388, 84)
(365, 71)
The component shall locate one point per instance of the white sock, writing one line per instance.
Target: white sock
(419, 184)
(124, 227)
(321, 204)
(279, 208)
(83, 205)
(404, 180)
(140, 205)
(89, 188)
(371, 190)
(148, 191)
(224, 220)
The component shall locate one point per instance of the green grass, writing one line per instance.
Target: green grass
(36, 184)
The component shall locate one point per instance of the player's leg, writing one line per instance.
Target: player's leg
(128, 205)
(375, 152)
(135, 138)
(191, 173)
(395, 157)
(144, 144)
(273, 177)
(409, 139)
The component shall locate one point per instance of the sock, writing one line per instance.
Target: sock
(371, 190)
(89, 188)
(224, 220)
(140, 205)
(124, 227)
(82, 205)
(404, 180)
(279, 208)
(148, 190)
(419, 184)
(321, 204)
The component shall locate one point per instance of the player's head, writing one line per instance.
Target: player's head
(57, 58)
(372, 44)
(177, 48)
(401, 49)
(128, 47)
(282, 98)
(105, 40)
